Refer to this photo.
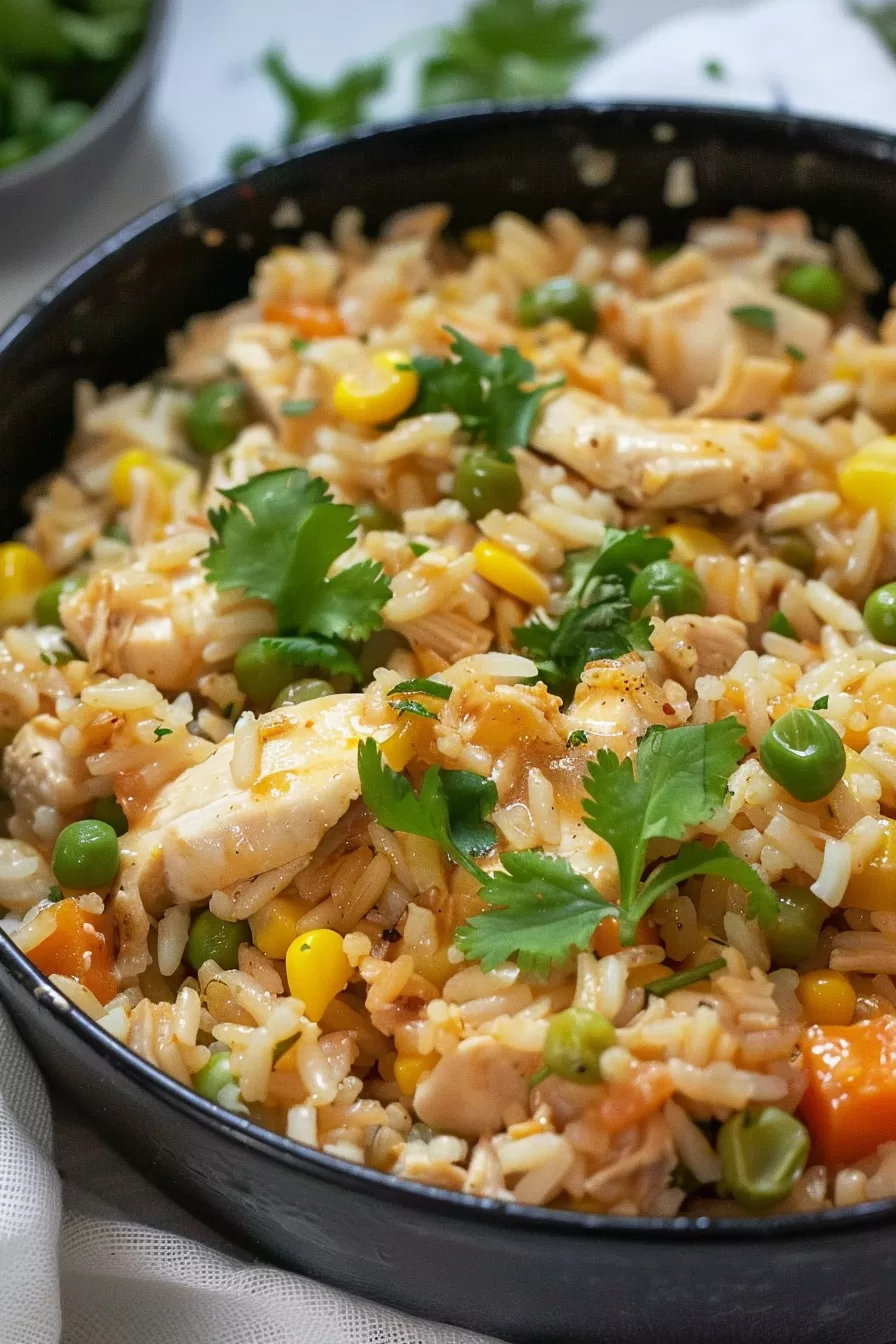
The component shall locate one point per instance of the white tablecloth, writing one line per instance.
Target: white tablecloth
(94, 1255)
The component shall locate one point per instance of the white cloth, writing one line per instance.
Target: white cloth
(130, 1268)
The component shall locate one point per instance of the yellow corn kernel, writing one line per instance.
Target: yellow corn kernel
(398, 749)
(409, 1069)
(22, 575)
(689, 542)
(165, 470)
(317, 970)
(645, 975)
(274, 926)
(828, 998)
(377, 392)
(868, 478)
(505, 570)
(479, 240)
(875, 887)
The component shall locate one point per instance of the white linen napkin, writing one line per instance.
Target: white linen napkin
(131, 1268)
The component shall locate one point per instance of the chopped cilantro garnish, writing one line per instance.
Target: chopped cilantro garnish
(795, 353)
(277, 541)
(296, 408)
(54, 895)
(422, 686)
(228, 709)
(298, 343)
(600, 624)
(578, 738)
(485, 390)
(319, 107)
(779, 625)
(756, 316)
(413, 707)
(821, 702)
(160, 732)
(418, 547)
(660, 988)
(713, 69)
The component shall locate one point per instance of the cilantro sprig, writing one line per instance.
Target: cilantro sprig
(599, 622)
(277, 541)
(488, 392)
(539, 907)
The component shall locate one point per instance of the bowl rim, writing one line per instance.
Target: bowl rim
(114, 103)
(835, 137)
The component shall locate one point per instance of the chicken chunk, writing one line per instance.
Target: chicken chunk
(616, 702)
(686, 334)
(470, 1090)
(25, 876)
(206, 833)
(700, 646)
(199, 352)
(725, 465)
(168, 628)
(39, 773)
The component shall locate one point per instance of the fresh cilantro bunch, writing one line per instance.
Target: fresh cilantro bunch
(277, 541)
(505, 49)
(486, 391)
(598, 620)
(540, 907)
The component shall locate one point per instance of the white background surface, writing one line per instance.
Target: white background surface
(211, 96)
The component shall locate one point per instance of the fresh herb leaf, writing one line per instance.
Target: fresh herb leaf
(486, 391)
(422, 686)
(695, 860)
(882, 19)
(240, 156)
(546, 908)
(660, 988)
(821, 702)
(450, 807)
(779, 625)
(227, 711)
(54, 895)
(713, 69)
(338, 107)
(278, 540)
(578, 738)
(505, 49)
(313, 651)
(160, 732)
(302, 407)
(413, 707)
(795, 353)
(298, 343)
(418, 547)
(756, 316)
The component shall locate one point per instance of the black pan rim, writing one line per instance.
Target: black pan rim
(808, 134)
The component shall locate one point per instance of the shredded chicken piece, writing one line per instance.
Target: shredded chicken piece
(39, 772)
(699, 646)
(616, 702)
(726, 465)
(470, 1090)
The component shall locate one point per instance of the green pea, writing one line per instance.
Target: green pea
(803, 753)
(297, 692)
(214, 1074)
(880, 613)
(374, 518)
(378, 650)
(483, 482)
(678, 589)
(560, 297)
(109, 811)
(46, 604)
(575, 1041)
(262, 672)
(218, 940)
(794, 548)
(85, 855)
(816, 286)
(218, 413)
(794, 936)
(763, 1154)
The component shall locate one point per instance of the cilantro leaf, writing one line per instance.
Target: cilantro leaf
(277, 541)
(485, 390)
(882, 18)
(504, 49)
(623, 554)
(681, 780)
(695, 860)
(546, 908)
(338, 107)
(660, 988)
(422, 686)
(448, 810)
(312, 651)
(757, 316)
(577, 738)
(413, 707)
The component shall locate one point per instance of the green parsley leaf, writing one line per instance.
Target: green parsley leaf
(338, 107)
(756, 316)
(302, 407)
(160, 732)
(449, 810)
(795, 353)
(422, 686)
(278, 540)
(546, 908)
(821, 702)
(779, 625)
(485, 390)
(505, 49)
(713, 69)
(660, 988)
(578, 738)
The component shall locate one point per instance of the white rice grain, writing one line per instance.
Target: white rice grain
(245, 763)
(173, 931)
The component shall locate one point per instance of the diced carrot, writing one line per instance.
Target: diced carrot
(81, 947)
(313, 321)
(625, 1104)
(605, 939)
(850, 1099)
